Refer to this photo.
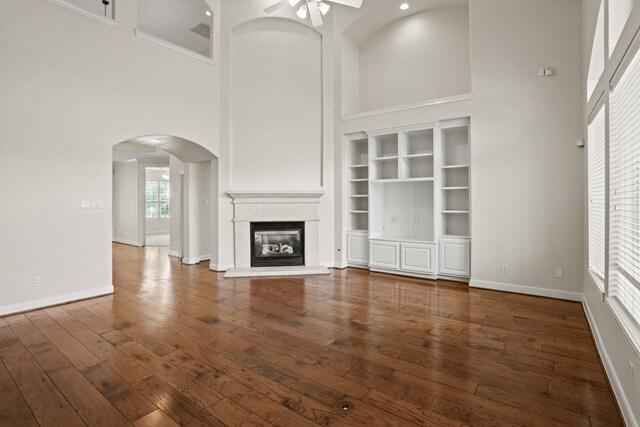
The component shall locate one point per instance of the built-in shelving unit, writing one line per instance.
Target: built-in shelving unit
(416, 209)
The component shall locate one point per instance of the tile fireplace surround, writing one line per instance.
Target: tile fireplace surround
(275, 206)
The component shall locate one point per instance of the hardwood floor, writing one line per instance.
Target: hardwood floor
(180, 345)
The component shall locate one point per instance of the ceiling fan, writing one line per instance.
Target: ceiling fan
(314, 8)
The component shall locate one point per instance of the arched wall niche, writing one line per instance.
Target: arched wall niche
(391, 59)
(276, 105)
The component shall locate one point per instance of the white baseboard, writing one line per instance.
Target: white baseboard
(196, 260)
(174, 254)
(126, 242)
(341, 265)
(528, 290)
(623, 402)
(55, 300)
(220, 267)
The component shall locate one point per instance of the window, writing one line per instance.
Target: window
(596, 193)
(624, 250)
(158, 194)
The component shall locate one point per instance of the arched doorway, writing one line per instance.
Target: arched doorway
(187, 197)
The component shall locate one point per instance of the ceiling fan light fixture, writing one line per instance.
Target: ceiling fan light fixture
(302, 12)
(324, 8)
(294, 2)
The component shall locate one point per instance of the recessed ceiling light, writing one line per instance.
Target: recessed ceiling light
(404, 6)
(157, 141)
(208, 12)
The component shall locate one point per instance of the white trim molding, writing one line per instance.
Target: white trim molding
(127, 242)
(414, 106)
(174, 254)
(618, 391)
(172, 46)
(196, 260)
(528, 290)
(55, 300)
(220, 267)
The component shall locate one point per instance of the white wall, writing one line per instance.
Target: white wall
(198, 218)
(75, 87)
(421, 57)
(615, 348)
(276, 105)
(526, 170)
(176, 168)
(125, 203)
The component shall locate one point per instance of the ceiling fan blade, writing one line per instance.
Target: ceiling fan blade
(314, 13)
(276, 6)
(352, 3)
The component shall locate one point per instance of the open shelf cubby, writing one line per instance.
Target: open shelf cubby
(386, 169)
(455, 146)
(360, 204)
(458, 177)
(359, 152)
(386, 146)
(360, 172)
(359, 221)
(418, 167)
(419, 142)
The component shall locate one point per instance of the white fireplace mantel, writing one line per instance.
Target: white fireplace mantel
(277, 196)
(277, 206)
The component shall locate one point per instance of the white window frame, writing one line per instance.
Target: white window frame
(158, 202)
(600, 112)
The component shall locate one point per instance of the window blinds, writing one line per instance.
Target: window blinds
(624, 252)
(596, 189)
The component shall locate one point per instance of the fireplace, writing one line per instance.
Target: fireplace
(277, 244)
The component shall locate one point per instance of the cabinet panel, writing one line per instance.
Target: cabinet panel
(455, 257)
(384, 255)
(357, 249)
(417, 257)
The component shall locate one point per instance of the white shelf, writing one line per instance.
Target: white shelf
(359, 180)
(359, 212)
(382, 159)
(456, 236)
(380, 181)
(359, 166)
(359, 195)
(392, 238)
(455, 212)
(417, 156)
(454, 188)
(455, 166)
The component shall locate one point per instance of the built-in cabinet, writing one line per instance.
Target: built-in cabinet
(408, 199)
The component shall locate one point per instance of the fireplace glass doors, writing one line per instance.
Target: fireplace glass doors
(277, 244)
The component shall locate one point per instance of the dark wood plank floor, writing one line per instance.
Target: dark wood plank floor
(180, 345)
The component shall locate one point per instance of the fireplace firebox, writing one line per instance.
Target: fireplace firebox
(277, 244)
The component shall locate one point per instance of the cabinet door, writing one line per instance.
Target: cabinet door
(384, 255)
(416, 257)
(357, 249)
(455, 257)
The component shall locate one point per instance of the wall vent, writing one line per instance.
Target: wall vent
(202, 29)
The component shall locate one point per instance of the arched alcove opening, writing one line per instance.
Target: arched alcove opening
(276, 105)
(187, 197)
(393, 58)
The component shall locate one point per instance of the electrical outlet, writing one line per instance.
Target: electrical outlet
(559, 273)
(505, 268)
(37, 281)
(85, 204)
(632, 372)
